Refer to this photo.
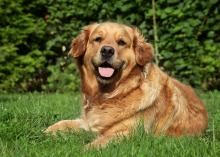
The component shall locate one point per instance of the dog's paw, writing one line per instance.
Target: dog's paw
(92, 145)
(98, 143)
(50, 130)
(54, 128)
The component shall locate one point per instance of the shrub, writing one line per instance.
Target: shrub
(35, 38)
(23, 50)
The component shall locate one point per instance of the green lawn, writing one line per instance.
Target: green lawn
(23, 116)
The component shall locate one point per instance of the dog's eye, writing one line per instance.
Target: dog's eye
(121, 42)
(98, 39)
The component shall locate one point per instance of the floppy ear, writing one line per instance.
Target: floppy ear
(78, 46)
(143, 50)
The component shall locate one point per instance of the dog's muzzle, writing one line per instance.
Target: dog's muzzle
(107, 53)
(106, 65)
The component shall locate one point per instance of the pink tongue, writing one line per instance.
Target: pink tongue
(106, 72)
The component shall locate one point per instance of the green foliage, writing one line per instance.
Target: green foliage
(64, 77)
(189, 42)
(22, 40)
(35, 36)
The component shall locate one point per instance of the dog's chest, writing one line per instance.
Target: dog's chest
(97, 119)
(100, 117)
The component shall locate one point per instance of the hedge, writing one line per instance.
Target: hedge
(35, 37)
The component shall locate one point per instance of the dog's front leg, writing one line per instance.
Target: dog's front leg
(116, 132)
(66, 125)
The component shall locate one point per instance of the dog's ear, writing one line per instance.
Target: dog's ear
(79, 44)
(143, 50)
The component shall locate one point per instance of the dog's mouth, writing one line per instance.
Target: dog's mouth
(106, 70)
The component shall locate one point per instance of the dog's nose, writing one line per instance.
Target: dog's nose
(107, 52)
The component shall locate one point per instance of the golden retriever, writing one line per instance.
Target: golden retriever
(121, 87)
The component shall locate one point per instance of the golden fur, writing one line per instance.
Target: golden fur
(139, 90)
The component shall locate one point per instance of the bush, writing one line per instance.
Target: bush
(35, 38)
(23, 49)
(63, 77)
(189, 42)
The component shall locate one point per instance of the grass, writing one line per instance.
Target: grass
(23, 116)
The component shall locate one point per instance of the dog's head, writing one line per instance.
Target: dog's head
(110, 51)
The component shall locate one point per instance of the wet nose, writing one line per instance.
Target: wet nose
(107, 52)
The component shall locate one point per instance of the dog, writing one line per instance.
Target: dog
(121, 87)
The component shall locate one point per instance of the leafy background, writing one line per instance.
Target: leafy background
(35, 37)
